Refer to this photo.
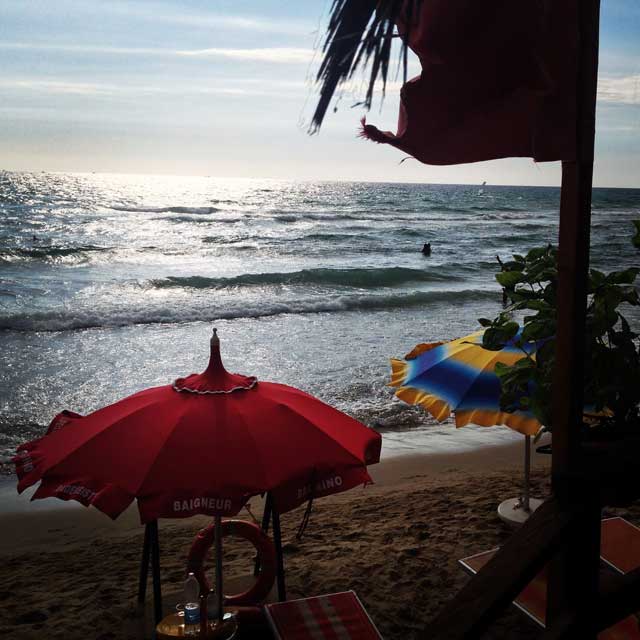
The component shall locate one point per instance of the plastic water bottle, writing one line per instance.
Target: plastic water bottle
(191, 606)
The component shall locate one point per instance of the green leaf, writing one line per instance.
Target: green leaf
(509, 279)
(536, 253)
(537, 305)
(538, 330)
(495, 337)
(628, 276)
(512, 265)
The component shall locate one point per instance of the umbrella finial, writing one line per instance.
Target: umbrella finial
(215, 360)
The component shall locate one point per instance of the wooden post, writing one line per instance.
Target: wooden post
(573, 259)
(144, 567)
(277, 539)
(155, 571)
(573, 580)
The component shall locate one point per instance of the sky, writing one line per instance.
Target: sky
(225, 88)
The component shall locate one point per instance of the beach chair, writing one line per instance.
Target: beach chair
(619, 552)
(337, 615)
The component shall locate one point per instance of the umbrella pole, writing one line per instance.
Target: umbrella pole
(527, 473)
(155, 570)
(144, 567)
(218, 543)
(266, 516)
(277, 539)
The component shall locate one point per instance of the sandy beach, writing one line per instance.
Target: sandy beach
(72, 573)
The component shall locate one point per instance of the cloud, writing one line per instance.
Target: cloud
(240, 23)
(59, 86)
(280, 55)
(223, 87)
(81, 48)
(175, 14)
(619, 90)
(275, 55)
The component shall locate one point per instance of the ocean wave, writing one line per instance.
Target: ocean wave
(443, 208)
(287, 215)
(45, 253)
(362, 278)
(339, 236)
(68, 320)
(230, 242)
(175, 209)
(412, 233)
(491, 207)
(200, 219)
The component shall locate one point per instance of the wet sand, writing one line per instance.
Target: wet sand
(72, 573)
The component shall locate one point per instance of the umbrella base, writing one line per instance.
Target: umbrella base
(513, 513)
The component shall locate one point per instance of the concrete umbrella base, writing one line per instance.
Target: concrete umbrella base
(513, 513)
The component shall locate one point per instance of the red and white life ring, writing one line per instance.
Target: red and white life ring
(266, 554)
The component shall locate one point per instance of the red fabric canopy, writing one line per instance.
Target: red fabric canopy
(202, 445)
(498, 80)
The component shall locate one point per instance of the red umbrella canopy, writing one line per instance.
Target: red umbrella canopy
(202, 445)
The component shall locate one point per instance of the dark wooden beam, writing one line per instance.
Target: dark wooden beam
(513, 566)
(573, 573)
(573, 257)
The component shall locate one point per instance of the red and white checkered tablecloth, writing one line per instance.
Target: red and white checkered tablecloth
(338, 616)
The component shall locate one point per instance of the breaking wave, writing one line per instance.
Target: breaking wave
(191, 210)
(45, 253)
(192, 311)
(360, 278)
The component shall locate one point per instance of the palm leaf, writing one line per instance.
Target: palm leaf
(360, 34)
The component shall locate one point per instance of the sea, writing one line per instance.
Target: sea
(112, 283)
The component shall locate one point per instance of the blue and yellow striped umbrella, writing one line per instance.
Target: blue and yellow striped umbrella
(458, 376)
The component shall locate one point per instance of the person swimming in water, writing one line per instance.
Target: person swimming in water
(426, 249)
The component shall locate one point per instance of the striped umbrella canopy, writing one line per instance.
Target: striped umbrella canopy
(459, 376)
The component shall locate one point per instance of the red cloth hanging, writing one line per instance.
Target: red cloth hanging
(498, 80)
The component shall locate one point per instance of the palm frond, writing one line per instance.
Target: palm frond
(360, 34)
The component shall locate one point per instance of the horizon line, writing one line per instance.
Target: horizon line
(304, 180)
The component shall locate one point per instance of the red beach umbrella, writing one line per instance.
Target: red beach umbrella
(202, 445)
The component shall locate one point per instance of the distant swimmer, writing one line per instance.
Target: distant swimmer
(426, 249)
(35, 238)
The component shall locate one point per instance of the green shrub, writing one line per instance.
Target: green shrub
(612, 353)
